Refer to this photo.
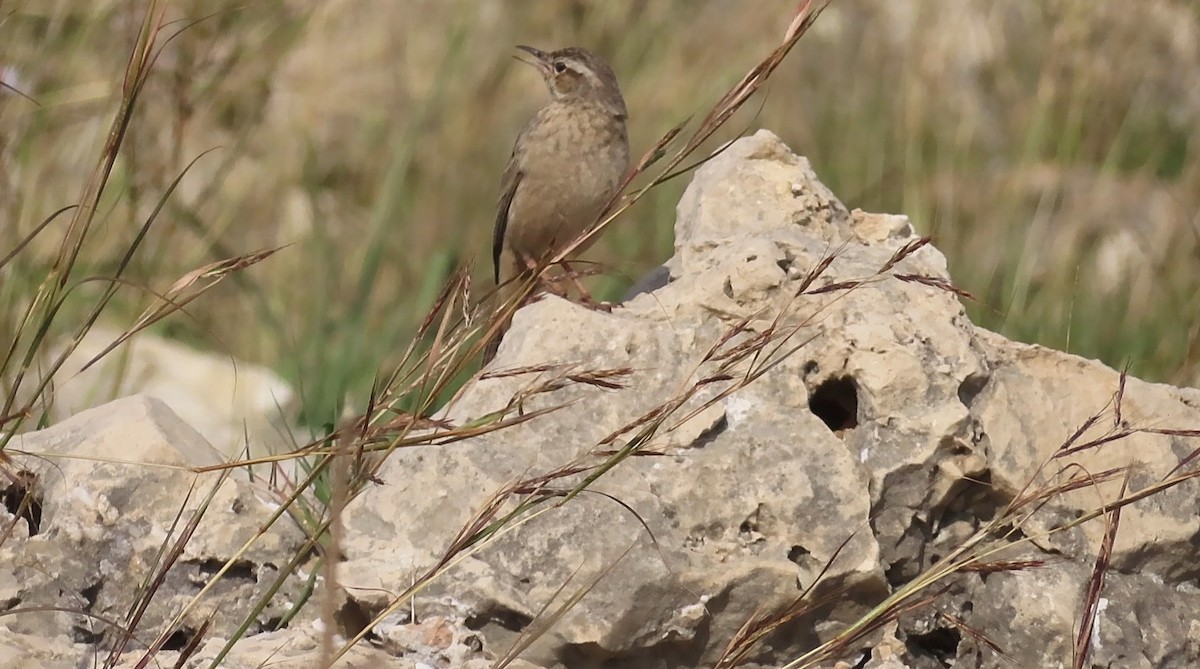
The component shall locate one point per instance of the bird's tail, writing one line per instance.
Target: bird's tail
(507, 293)
(493, 342)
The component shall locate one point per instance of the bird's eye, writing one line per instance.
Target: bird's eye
(560, 67)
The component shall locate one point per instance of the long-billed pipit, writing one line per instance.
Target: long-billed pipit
(566, 165)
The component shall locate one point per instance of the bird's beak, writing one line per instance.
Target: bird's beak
(541, 59)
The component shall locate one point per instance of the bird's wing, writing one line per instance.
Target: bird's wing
(508, 188)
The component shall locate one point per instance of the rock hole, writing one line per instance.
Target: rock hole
(898, 573)
(710, 435)
(970, 388)
(179, 639)
(940, 643)
(811, 367)
(89, 595)
(798, 553)
(513, 621)
(728, 288)
(835, 402)
(352, 618)
(21, 499)
(85, 636)
(473, 642)
(751, 524)
(974, 500)
(240, 569)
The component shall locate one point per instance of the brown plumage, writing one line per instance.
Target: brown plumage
(565, 166)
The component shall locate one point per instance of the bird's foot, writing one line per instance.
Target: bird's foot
(585, 297)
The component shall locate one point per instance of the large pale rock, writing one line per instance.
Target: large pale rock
(892, 433)
(435, 644)
(27, 651)
(896, 426)
(1144, 621)
(743, 510)
(115, 487)
(1023, 431)
(238, 407)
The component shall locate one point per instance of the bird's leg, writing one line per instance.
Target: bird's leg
(584, 296)
(546, 283)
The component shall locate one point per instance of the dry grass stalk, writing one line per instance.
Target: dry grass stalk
(1084, 640)
(44, 309)
(976, 634)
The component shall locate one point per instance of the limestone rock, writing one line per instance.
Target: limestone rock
(114, 488)
(40, 651)
(1143, 621)
(1023, 429)
(235, 405)
(896, 426)
(891, 432)
(298, 648)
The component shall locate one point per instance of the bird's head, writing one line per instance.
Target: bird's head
(575, 74)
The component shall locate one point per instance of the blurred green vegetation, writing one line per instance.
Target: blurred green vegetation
(1045, 145)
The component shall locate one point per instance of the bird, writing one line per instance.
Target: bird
(566, 165)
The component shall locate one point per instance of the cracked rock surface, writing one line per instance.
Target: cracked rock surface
(897, 427)
(893, 432)
(112, 489)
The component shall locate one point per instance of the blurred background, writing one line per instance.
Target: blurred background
(1048, 146)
